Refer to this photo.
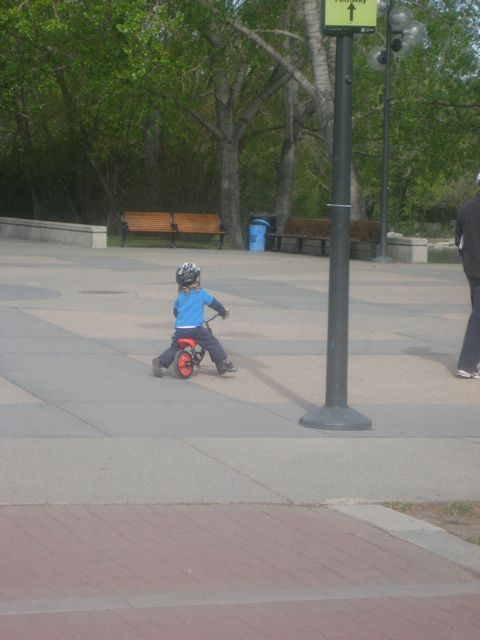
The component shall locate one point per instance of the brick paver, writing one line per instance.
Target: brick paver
(208, 572)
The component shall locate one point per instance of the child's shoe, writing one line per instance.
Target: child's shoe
(157, 368)
(226, 367)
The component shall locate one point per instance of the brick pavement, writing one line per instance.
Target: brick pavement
(207, 572)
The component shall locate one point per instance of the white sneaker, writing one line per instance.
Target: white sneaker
(466, 374)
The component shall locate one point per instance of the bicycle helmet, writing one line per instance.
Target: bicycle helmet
(187, 274)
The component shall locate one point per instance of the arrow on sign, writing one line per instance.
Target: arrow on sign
(351, 8)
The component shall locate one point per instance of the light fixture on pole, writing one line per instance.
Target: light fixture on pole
(403, 34)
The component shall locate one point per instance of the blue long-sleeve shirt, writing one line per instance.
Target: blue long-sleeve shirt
(189, 308)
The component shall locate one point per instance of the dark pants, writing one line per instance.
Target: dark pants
(204, 338)
(470, 354)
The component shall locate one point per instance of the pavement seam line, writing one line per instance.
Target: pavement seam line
(47, 402)
(235, 470)
(239, 598)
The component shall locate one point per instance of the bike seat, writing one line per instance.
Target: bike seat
(186, 342)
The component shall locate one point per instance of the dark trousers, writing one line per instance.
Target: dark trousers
(204, 338)
(470, 354)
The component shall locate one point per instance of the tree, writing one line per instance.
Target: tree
(238, 82)
(434, 123)
(87, 91)
(320, 89)
(98, 100)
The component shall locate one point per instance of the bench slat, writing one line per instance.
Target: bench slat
(147, 222)
(308, 227)
(198, 223)
(365, 231)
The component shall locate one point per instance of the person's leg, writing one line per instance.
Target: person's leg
(473, 282)
(211, 344)
(165, 359)
(469, 359)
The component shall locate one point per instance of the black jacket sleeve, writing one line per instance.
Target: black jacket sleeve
(218, 307)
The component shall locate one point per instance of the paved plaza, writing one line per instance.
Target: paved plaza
(134, 507)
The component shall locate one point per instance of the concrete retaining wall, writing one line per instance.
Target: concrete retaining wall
(408, 249)
(83, 235)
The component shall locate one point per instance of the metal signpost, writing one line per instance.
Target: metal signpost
(342, 19)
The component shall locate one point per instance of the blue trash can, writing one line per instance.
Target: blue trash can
(263, 216)
(256, 235)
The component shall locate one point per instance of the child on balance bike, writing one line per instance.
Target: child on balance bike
(189, 316)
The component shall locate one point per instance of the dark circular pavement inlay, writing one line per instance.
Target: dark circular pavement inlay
(21, 292)
(103, 293)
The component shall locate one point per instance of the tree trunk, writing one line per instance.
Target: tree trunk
(228, 140)
(324, 96)
(25, 134)
(357, 198)
(288, 156)
(230, 190)
(36, 206)
(109, 182)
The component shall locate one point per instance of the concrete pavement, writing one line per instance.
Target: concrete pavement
(219, 467)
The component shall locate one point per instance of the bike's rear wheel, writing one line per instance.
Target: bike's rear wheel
(183, 364)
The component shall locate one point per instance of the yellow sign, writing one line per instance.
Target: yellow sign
(347, 16)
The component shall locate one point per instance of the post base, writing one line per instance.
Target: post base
(336, 419)
(382, 259)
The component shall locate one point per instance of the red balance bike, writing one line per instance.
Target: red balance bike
(190, 354)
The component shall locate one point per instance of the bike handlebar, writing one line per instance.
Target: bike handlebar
(227, 311)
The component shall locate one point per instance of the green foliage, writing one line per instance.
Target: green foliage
(434, 116)
(95, 98)
(83, 92)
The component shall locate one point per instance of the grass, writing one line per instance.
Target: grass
(459, 517)
(159, 242)
(456, 508)
(163, 242)
(403, 507)
(460, 508)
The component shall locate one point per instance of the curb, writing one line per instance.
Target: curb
(418, 532)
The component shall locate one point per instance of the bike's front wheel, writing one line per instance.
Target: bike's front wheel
(183, 364)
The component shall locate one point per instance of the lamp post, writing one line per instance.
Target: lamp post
(403, 34)
(342, 21)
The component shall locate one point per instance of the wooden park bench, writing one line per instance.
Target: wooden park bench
(365, 231)
(147, 222)
(304, 229)
(199, 224)
(172, 224)
(361, 231)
